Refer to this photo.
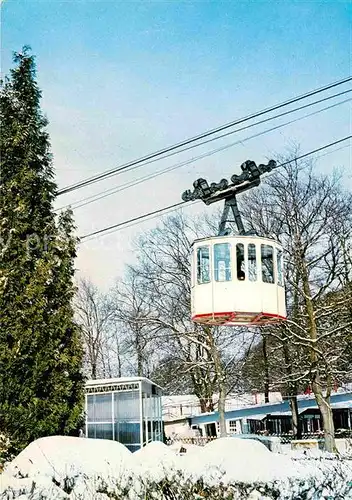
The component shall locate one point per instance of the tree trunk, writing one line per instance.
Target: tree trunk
(108, 366)
(266, 370)
(139, 352)
(206, 405)
(323, 403)
(292, 393)
(292, 386)
(296, 423)
(221, 380)
(94, 370)
(203, 389)
(119, 369)
(221, 410)
(327, 417)
(139, 364)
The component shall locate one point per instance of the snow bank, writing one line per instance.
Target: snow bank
(154, 462)
(62, 458)
(240, 460)
(60, 464)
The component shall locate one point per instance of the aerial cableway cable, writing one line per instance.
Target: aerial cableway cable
(175, 206)
(117, 189)
(159, 153)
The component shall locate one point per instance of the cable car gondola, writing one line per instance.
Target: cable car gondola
(235, 279)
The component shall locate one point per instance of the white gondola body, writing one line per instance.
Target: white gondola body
(237, 280)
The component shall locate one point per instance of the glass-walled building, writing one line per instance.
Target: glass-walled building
(127, 410)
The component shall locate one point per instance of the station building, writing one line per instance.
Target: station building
(127, 410)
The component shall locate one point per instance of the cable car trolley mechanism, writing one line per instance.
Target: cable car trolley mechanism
(236, 279)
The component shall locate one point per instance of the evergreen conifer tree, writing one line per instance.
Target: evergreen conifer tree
(41, 383)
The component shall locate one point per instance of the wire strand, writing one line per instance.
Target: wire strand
(109, 192)
(104, 175)
(144, 216)
(182, 203)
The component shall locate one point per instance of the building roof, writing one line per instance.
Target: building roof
(232, 400)
(119, 380)
(259, 416)
(188, 405)
(338, 401)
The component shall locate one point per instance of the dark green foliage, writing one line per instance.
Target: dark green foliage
(41, 385)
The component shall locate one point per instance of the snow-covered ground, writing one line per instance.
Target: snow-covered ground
(57, 468)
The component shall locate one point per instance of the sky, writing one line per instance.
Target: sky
(121, 79)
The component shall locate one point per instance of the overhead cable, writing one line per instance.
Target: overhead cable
(117, 189)
(119, 225)
(175, 206)
(114, 190)
(114, 171)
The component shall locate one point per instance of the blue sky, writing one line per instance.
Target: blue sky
(121, 79)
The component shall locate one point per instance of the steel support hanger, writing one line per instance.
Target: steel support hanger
(249, 178)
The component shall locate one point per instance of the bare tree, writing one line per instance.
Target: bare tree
(132, 312)
(201, 356)
(164, 269)
(272, 365)
(310, 215)
(95, 313)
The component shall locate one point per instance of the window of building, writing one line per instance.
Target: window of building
(232, 427)
(222, 262)
(99, 407)
(90, 406)
(267, 255)
(280, 274)
(203, 265)
(241, 274)
(102, 431)
(128, 433)
(252, 262)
